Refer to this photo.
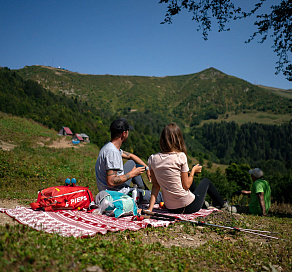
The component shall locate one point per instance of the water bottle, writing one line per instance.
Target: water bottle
(134, 193)
(73, 181)
(67, 181)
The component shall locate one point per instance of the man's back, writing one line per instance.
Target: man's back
(260, 186)
(109, 158)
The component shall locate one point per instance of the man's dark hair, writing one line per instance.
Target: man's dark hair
(118, 126)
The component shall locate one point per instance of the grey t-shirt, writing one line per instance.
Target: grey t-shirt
(109, 158)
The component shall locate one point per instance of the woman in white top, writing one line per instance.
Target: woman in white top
(170, 172)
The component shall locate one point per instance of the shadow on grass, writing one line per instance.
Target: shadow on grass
(281, 215)
(281, 210)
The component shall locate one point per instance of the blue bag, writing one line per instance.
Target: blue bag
(115, 204)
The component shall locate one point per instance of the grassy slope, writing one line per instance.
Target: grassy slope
(281, 92)
(253, 117)
(30, 166)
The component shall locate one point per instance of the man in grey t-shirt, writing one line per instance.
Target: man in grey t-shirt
(110, 172)
(110, 160)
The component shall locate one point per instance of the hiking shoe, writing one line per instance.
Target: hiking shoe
(232, 209)
(206, 205)
(225, 205)
(211, 207)
(229, 208)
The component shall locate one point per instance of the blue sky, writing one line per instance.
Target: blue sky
(125, 37)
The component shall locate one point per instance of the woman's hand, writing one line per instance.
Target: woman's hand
(148, 173)
(196, 169)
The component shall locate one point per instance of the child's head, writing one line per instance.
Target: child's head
(171, 139)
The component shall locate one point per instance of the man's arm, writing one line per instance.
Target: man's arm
(242, 192)
(262, 202)
(137, 160)
(112, 178)
(130, 156)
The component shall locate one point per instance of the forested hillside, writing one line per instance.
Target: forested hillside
(187, 98)
(248, 143)
(26, 98)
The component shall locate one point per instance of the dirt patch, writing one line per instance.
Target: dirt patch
(63, 142)
(177, 236)
(41, 141)
(9, 204)
(6, 146)
(186, 235)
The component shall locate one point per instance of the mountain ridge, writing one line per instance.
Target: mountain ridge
(191, 97)
(210, 68)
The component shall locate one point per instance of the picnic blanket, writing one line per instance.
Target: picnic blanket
(82, 224)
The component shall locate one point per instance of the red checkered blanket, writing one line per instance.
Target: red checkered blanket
(83, 224)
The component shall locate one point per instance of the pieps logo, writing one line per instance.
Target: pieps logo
(78, 199)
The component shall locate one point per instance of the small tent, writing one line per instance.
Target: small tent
(65, 131)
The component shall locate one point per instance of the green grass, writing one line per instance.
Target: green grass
(19, 130)
(280, 92)
(31, 166)
(254, 117)
(27, 169)
(24, 249)
(180, 247)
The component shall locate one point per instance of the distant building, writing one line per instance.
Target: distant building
(82, 137)
(85, 137)
(77, 137)
(65, 131)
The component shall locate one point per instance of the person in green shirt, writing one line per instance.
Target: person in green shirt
(260, 194)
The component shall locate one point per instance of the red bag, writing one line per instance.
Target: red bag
(63, 198)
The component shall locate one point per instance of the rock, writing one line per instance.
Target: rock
(94, 268)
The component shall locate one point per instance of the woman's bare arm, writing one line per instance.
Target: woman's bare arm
(187, 179)
(154, 191)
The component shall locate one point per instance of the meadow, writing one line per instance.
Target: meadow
(253, 117)
(32, 164)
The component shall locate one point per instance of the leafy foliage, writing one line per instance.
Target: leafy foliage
(279, 23)
(238, 174)
(202, 12)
